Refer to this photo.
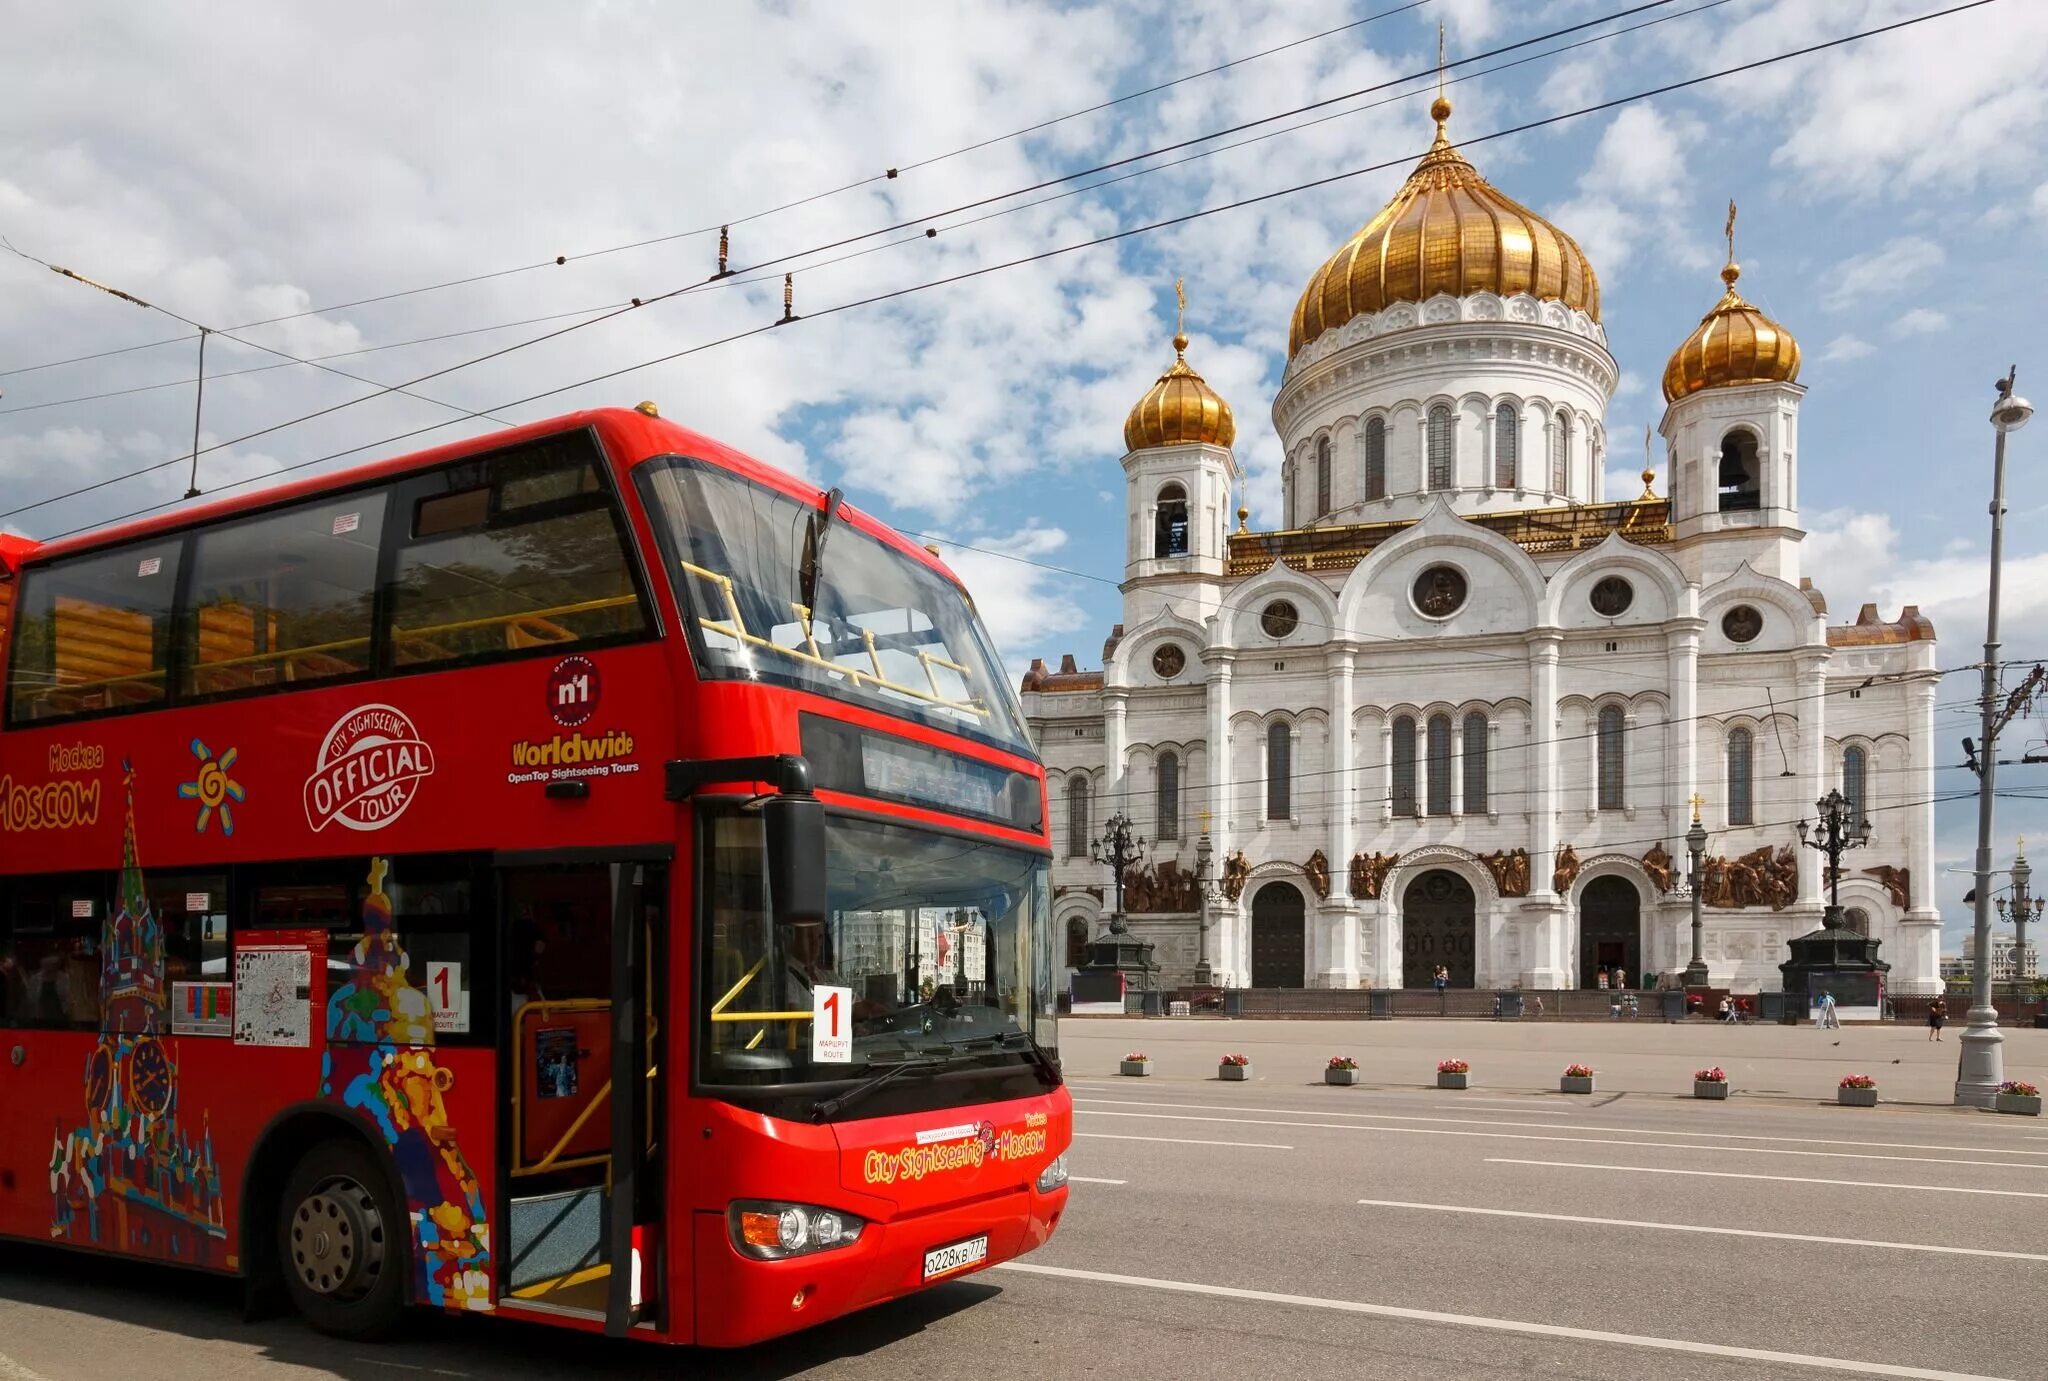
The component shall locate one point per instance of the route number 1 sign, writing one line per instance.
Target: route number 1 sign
(831, 1026)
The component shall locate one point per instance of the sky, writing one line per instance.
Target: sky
(238, 162)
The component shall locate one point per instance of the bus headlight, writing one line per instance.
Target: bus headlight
(771, 1230)
(1054, 1175)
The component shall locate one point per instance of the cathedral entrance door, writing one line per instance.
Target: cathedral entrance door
(1610, 931)
(1438, 927)
(1279, 937)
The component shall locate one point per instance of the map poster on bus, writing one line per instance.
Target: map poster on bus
(275, 973)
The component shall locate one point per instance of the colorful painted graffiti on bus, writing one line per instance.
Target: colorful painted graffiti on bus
(133, 1178)
(380, 1062)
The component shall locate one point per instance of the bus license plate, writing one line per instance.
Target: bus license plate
(941, 1261)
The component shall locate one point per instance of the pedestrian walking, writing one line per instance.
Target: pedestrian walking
(1440, 979)
(1601, 976)
(1727, 1009)
(1937, 1017)
(1829, 1018)
(1620, 976)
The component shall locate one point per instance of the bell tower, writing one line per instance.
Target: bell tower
(1732, 426)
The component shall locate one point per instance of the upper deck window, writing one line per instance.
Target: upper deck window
(514, 552)
(886, 629)
(94, 632)
(283, 598)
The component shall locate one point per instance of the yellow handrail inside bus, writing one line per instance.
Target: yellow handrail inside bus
(735, 627)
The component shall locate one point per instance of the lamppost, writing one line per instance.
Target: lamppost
(2024, 907)
(1119, 848)
(1839, 830)
(1696, 845)
(1980, 1064)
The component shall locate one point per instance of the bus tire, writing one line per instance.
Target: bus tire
(343, 1242)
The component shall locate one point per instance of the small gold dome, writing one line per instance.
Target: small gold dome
(1733, 344)
(1180, 410)
(1446, 231)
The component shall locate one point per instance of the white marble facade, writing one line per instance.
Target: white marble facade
(1528, 713)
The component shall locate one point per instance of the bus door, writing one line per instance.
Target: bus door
(584, 944)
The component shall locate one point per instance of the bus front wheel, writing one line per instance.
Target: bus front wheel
(341, 1243)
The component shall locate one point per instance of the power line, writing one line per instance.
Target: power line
(888, 175)
(893, 294)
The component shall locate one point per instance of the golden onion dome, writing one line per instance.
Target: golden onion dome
(1180, 410)
(1448, 230)
(1733, 344)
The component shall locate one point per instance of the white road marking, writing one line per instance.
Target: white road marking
(1580, 1140)
(1713, 1231)
(1090, 1179)
(1184, 1141)
(1480, 1321)
(1781, 1179)
(1526, 1112)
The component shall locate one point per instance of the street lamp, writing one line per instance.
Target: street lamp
(2024, 907)
(1696, 845)
(1980, 1065)
(1119, 848)
(1841, 828)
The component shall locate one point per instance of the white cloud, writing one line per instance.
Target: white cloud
(1919, 321)
(1879, 275)
(1854, 557)
(1846, 347)
(1025, 606)
(1634, 191)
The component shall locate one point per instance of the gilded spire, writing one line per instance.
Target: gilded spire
(1440, 108)
(1732, 270)
(1180, 408)
(1649, 467)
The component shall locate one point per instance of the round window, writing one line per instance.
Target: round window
(1169, 661)
(1612, 596)
(1440, 591)
(1279, 619)
(1742, 624)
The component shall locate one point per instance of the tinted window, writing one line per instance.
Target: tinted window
(283, 599)
(518, 551)
(49, 951)
(94, 632)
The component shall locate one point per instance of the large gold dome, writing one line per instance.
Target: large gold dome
(1181, 409)
(1733, 344)
(1446, 231)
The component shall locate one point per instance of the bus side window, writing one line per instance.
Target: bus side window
(284, 598)
(94, 633)
(508, 554)
(50, 935)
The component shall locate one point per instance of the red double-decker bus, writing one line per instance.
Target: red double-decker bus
(578, 872)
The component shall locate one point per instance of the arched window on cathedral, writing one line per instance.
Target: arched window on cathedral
(1439, 764)
(1166, 802)
(1376, 458)
(1507, 445)
(1613, 756)
(1440, 447)
(1853, 761)
(1560, 451)
(1170, 527)
(1322, 476)
(1404, 766)
(1077, 816)
(1279, 770)
(1476, 747)
(1741, 482)
(1741, 794)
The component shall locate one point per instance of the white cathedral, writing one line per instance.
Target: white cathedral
(1460, 709)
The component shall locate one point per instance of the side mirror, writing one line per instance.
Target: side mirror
(795, 827)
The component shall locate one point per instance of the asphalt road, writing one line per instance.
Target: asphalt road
(1283, 1227)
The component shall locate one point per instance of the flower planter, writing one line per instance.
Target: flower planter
(1453, 1080)
(1856, 1097)
(1570, 1084)
(1340, 1076)
(1710, 1088)
(2019, 1104)
(1135, 1069)
(1234, 1073)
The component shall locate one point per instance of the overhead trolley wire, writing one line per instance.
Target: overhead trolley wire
(965, 275)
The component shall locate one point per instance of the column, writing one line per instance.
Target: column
(1422, 766)
(1386, 768)
(1457, 766)
(1114, 702)
(1814, 776)
(1681, 771)
(1542, 915)
(1222, 805)
(1340, 911)
(1917, 969)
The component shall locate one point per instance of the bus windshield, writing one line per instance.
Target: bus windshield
(886, 630)
(942, 940)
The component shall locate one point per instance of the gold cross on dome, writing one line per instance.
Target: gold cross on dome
(1696, 801)
(1180, 296)
(1729, 230)
(1439, 61)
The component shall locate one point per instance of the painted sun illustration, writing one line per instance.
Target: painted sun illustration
(212, 787)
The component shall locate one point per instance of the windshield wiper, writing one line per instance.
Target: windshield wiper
(816, 529)
(1031, 1050)
(874, 1079)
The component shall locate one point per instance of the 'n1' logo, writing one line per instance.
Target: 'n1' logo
(573, 689)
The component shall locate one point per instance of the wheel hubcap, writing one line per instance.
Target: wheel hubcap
(337, 1240)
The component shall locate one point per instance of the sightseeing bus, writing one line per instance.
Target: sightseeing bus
(578, 872)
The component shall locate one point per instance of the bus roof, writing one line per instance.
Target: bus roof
(626, 432)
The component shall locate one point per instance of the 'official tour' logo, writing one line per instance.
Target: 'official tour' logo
(367, 770)
(573, 689)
